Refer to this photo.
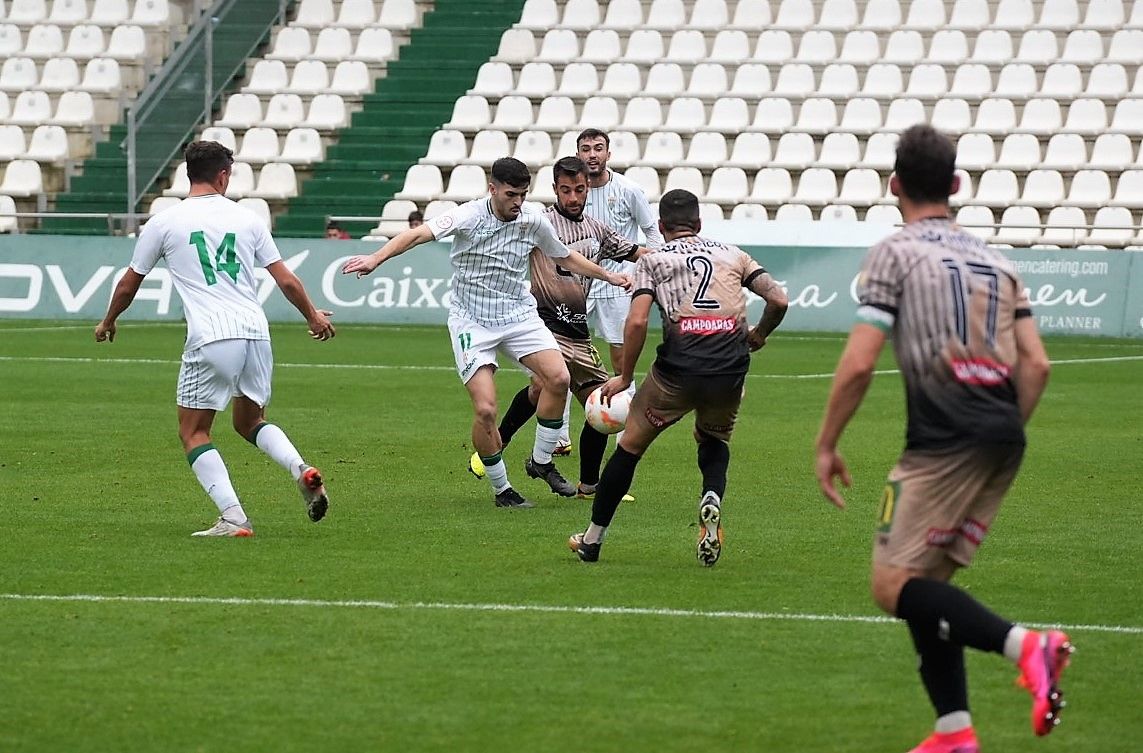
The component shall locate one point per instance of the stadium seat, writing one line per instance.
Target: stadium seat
(48, 144)
(12, 142)
(751, 80)
(27, 12)
(292, 44)
(710, 212)
(1019, 226)
(151, 13)
(975, 151)
(85, 42)
(242, 111)
(644, 46)
(794, 213)
(925, 15)
(881, 15)
(351, 78)
(335, 44)
(559, 46)
(862, 115)
(1014, 15)
(399, 15)
(493, 80)
(817, 115)
(772, 186)
(470, 113)
(109, 13)
(161, 203)
(997, 188)
(624, 149)
(578, 80)
(1111, 151)
(707, 150)
(1083, 46)
(729, 115)
(860, 48)
(69, 12)
(664, 150)
(1041, 116)
(751, 151)
(1129, 189)
(1126, 45)
(774, 47)
(268, 77)
(753, 212)
(309, 77)
(709, 15)
(728, 185)
(466, 182)
(838, 213)
(422, 183)
(1068, 152)
(880, 152)
(817, 47)
(840, 151)
(996, 116)
(374, 45)
(839, 82)
(356, 14)
(22, 178)
(964, 188)
(44, 41)
(259, 145)
(259, 207)
(1043, 188)
(624, 15)
(977, 220)
(220, 135)
(18, 74)
(11, 40)
(685, 115)
(581, 14)
(993, 47)
(642, 115)
(685, 178)
(687, 46)
(883, 81)
(59, 75)
(646, 178)
(327, 112)
(536, 80)
(516, 46)
(1020, 152)
(1064, 227)
(534, 148)
(1038, 47)
(1062, 81)
(752, 15)
(1107, 81)
(903, 113)
(665, 80)
(1059, 14)
(621, 80)
(127, 43)
(487, 147)
(180, 183)
(1128, 115)
(1089, 189)
(446, 147)
(1087, 116)
(885, 214)
(860, 187)
(1016, 81)
(513, 113)
(707, 81)
(241, 181)
(730, 46)
(904, 47)
(971, 82)
(970, 15)
(948, 47)
(927, 81)
(1112, 226)
(556, 114)
(31, 108)
(74, 110)
(284, 111)
(794, 14)
(795, 151)
(773, 115)
(838, 15)
(599, 112)
(817, 186)
(315, 14)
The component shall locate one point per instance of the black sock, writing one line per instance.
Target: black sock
(943, 610)
(518, 414)
(942, 671)
(592, 445)
(713, 460)
(613, 484)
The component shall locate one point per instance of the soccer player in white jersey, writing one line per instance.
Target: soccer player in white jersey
(492, 309)
(211, 247)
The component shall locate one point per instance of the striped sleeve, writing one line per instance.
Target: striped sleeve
(643, 281)
(879, 288)
(547, 240)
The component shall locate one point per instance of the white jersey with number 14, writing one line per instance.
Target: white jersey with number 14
(212, 247)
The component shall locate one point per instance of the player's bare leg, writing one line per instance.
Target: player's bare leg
(552, 373)
(486, 437)
(250, 423)
(207, 465)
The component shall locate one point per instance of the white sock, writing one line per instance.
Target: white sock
(954, 722)
(497, 473)
(274, 442)
(546, 438)
(565, 434)
(211, 473)
(594, 534)
(1014, 643)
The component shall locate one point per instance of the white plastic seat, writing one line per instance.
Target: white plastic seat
(242, 111)
(397, 14)
(709, 15)
(395, 217)
(422, 183)
(284, 111)
(44, 41)
(1089, 188)
(470, 113)
(1104, 14)
(68, 12)
(707, 80)
(795, 151)
(127, 42)
(794, 213)
(884, 214)
(1041, 116)
(18, 74)
(685, 178)
(1016, 81)
(817, 47)
(162, 203)
(772, 186)
(581, 14)
(333, 44)
(751, 151)
(952, 115)
(327, 112)
(374, 45)
(516, 46)
(350, 77)
(599, 112)
(860, 187)
(773, 115)
(1111, 151)
(1043, 188)
(12, 142)
(446, 147)
(259, 207)
(1062, 81)
(621, 80)
(993, 47)
(437, 208)
(536, 80)
(309, 77)
(926, 14)
(880, 152)
(11, 40)
(533, 148)
(624, 15)
(1064, 227)
(466, 182)
(774, 46)
(837, 213)
(975, 151)
(27, 12)
(685, 115)
(997, 188)
(1014, 15)
(221, 135)
(601, 46)
(292, 43)
(542, 187)
(904, 46)
(356, 14)
(838, 81)
(276, 180)
(728, 185)
(1112, 226)
(1067, 151)
(647, 178)
(1083, 46)
(624, 149)
(972, 82)
(838, 15)
(970, 14)
(1127, 45)
(977, 220)
(710, 212)
(579, 80)
(964, 189)
(268, 77)
(85, 42)
(730, 46)
(903, 113)
(539, 14)
(665, 80)
(1087, 116)
(559, 46)
(794, 80)
(795, 14)
(927, 81)
(707, 150)
(74, 110)
(151, 13)
(108, 13)
(48, 144)
(1129, 189)
(817, 115)
(180, 183)
(1020, 151)
(1127, 117)
(31, 108)
(752, 15)
(22, 178)
(751, 79)
(996, 116)
(644, 46)
(259, 145)
(749, 212)
(687, 46)
(556, 114)
(487, 147)
(860, 48)
(840, 151)
(883, 81)
(1107, 81)
(1038, 47)
(862, 115)
(59, 75)
(1019, 226)
(493, 80)
(513, 113)
(642, 114)
(949, 47)
(1059, 14)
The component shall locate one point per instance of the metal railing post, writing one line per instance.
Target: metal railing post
(132, 188)
(208, 89)
(282, 13)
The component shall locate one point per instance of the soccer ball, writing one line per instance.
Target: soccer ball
(607, 419)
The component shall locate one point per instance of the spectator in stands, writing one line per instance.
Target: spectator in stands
(334, 232)
(416, 219)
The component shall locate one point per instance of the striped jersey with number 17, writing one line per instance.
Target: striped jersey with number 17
(212, 247)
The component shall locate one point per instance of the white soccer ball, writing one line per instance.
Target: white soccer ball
(607, 419)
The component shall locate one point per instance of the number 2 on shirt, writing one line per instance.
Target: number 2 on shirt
(225, 260)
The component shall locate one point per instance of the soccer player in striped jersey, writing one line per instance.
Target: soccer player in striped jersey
(700, 366)
(562, 303)
(491, 309)
(974, 369)
(211, 247)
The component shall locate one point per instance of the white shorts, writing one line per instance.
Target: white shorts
(213, 374)
(607, 317)
(474, 345)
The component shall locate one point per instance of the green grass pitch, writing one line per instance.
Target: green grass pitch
(99, 501)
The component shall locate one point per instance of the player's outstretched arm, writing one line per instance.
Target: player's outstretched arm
(125, 291)
(295, 292)
(579, 264)
(850, 382)
(399, 244)
(774, 312)
(1032, 366)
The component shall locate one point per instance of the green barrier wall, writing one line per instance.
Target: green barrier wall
(52, 277)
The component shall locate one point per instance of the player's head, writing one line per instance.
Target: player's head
(679, 213)
(593, 146)
(416, 219)
(209, 162)
(509, 186)
(570, 184)
(925, 170)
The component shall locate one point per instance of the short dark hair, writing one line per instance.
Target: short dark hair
(679, 210)
(416, 215)
(568, 167)
(593, 133)
(206, 159)
(925, 164)
(512, 172)
(331, 225)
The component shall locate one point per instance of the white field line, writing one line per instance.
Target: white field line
(393, 367)
(514, 608)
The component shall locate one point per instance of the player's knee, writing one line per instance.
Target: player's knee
(485, 412)
(886, 586)
(558, 381)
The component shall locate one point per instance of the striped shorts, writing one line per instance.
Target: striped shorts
(213, 374)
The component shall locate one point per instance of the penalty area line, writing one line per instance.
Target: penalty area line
(515, 608)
